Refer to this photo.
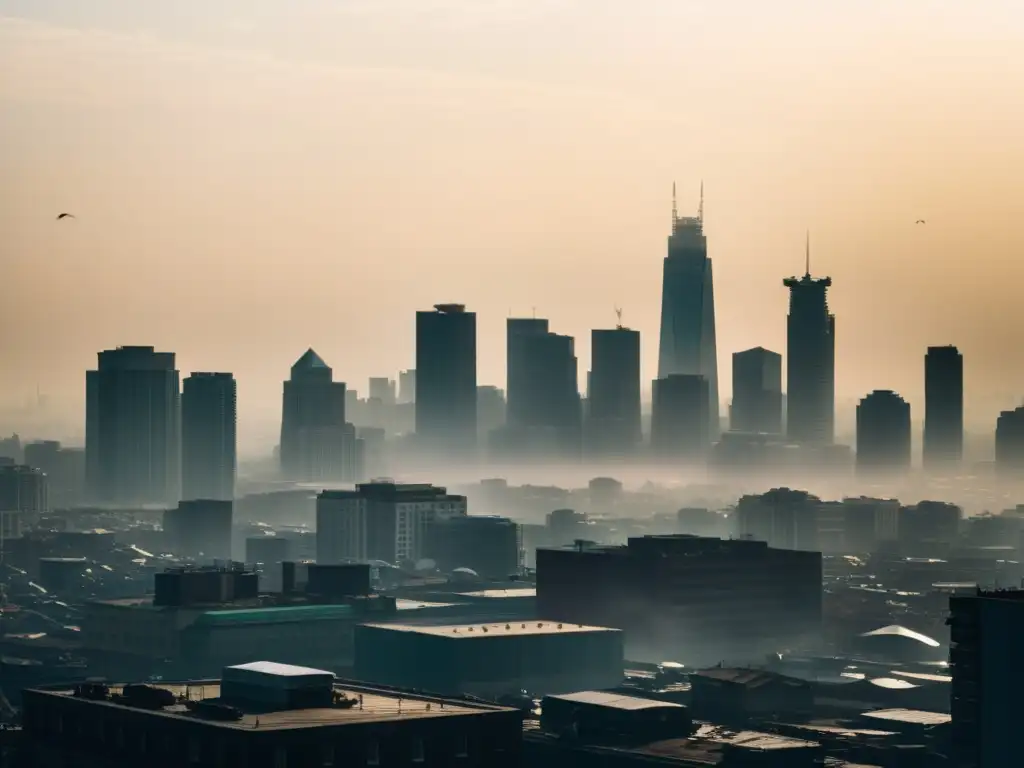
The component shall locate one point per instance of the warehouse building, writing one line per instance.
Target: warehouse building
(263, 715)
(490, 659)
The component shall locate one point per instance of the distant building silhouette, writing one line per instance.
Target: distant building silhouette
(132, 428)
(407, 386)
(383, 389)
(208, 436)
(553, 397)
(679, 424)
(517, 372)
(200, 529)
(613, 393)
(943, 407)
(446, 380)
(756, 392)
(883, 433)
(811, 361)
(316, 441)
(688, 343)
(24, 497)
(1010, 444)
(490, 409)
(380, 520)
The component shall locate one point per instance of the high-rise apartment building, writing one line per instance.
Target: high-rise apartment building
(688, 343)
(317, 444)
(883, 433)
(208, 436)
(446, 381)
(985, 663)
(943, 407)
(613, 399)
(679, 418)
(811, 361)
(380, 521)
(552, 397)
(132, 428)
(756, 392)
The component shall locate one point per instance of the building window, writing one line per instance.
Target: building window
(373, 753)
(195, 752)
(327, 756)
(417, 751)
(461, 746)
(281, 758)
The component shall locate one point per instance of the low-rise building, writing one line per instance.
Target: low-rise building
(263, 715)
(490, 659)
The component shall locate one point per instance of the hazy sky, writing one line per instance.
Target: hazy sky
(253, 177)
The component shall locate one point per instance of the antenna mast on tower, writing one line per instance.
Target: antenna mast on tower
(700, 207)
(675, 209)
(618, 318)
(807, 255)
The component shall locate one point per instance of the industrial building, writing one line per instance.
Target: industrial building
(201, 619)
(691, 599)
(263, 715)
(381, 520)
(490, 659)
(200, 529)
(490, 546)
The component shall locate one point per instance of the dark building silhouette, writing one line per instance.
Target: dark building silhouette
(208, 436)
(553, 397)
(489, 546)
(316, 441)
(756, 392)
(883, 433)
(132, 428)
(24, 497)
(943, 407)
(613, 393)
(407, 386)
(518, 374)
(446, 380)
(811, 360)
(781, 517)
(984, 660)
(688, 343)
(64, 468)
(679, 417)
(200, 529)
(1010, 443)
(686, 598)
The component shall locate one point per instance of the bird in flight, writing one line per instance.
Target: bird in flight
(919, 221)
(65, 216)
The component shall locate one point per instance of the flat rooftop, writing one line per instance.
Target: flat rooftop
(377, 706)
(487, 630)
(496, 593)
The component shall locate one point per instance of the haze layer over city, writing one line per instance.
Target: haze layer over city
(252, 179)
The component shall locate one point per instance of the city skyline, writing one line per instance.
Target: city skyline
(342, 208)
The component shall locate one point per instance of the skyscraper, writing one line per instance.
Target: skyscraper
(679, 423)
(1010, 444)
(208, 437)
(883, 433)
(552, 397)
(811, 360)
(756, 392)
(316, 441)
(446, 380)
(943, 407)
(517, 375)
(688, 308)
(613, 416)
(133, 428)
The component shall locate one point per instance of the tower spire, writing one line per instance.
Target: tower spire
(700, 207)
(807, 255)
(675, 208)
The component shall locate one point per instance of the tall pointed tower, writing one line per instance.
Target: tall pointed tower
(688, 343)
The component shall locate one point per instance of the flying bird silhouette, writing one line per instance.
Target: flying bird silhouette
(919, 221)
(65, 216)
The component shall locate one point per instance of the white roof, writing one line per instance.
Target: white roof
(280, 670)
(615, 700)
